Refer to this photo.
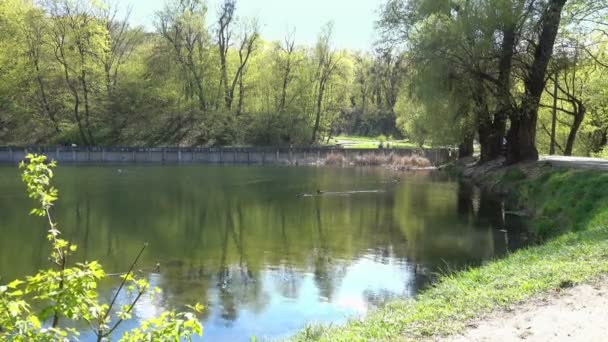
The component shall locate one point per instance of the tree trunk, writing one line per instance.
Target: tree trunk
(85, 92)
(521, 138)
(576, 125)
(198, 79)
(87, 120)
(498, 127)
(224, 80)
(492, 126)
(522, 134)
(490, 142)
(74, 92)
(318, 112)
(553, 118)
(239, 108)
(45, 103)
(284, 90)
(490, 139)
(466, 148)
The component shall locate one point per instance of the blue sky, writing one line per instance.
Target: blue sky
(353, 19)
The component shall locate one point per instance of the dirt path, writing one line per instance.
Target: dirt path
(575, 314)
(577, 162)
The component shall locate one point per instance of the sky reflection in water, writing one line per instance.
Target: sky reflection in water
(264, 261)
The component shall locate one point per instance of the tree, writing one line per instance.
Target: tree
(327, 62)
(35, 34)
(485, 46)
(521, 137)
(247, 45)
(76, 36)
(183, 27)
(285, 61)
(122, 43)
(224, 36)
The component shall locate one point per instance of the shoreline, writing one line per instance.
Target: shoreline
(222, 155)
(569, 211)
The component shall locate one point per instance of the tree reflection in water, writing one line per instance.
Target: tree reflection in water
(264, 261)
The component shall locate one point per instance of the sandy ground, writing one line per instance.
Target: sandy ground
(575, 314)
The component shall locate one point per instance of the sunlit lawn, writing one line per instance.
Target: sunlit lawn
(357, 142)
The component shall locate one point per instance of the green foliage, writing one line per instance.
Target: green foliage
(77, 72)
(513, 175)
(169, 326)
(45, 307)
(465, 78)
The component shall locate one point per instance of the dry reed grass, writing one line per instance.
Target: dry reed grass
(373, 159)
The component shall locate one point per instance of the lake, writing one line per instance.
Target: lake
(264, 258)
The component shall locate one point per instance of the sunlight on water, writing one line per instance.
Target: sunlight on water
(240, 240)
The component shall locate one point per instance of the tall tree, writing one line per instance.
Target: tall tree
(76, 36)
(285, 62)
(522, 132)
(226, 15)
(247, 45)
(183, 26)
(327, 61)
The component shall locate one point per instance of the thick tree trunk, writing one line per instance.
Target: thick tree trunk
(522, 133)
(521, 138)
(492, 126)
(498, 126)
(465, 149)
(490, 140)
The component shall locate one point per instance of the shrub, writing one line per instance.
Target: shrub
(514, 175)
(46, 306)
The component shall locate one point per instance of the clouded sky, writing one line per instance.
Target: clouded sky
(353, 19)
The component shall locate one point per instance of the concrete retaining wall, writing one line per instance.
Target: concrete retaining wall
(176, 155)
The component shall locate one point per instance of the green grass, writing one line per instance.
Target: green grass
(357, 142)
(573, 208)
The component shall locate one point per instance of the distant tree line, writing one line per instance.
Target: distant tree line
(75, 71)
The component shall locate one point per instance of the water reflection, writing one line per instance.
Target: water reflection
(264, 261)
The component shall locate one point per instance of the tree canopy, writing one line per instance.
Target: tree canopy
(486, 69)
(75, 71)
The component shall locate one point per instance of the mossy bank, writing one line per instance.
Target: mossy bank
(570, 215)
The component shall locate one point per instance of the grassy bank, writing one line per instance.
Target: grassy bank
(570, 211)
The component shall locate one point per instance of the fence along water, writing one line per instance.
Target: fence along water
(213, 155)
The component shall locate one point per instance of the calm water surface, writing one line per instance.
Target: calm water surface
(240, 240)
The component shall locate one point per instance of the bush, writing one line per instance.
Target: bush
(46, 306)
(514, 175)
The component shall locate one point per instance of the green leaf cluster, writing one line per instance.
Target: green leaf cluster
(48, 305)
